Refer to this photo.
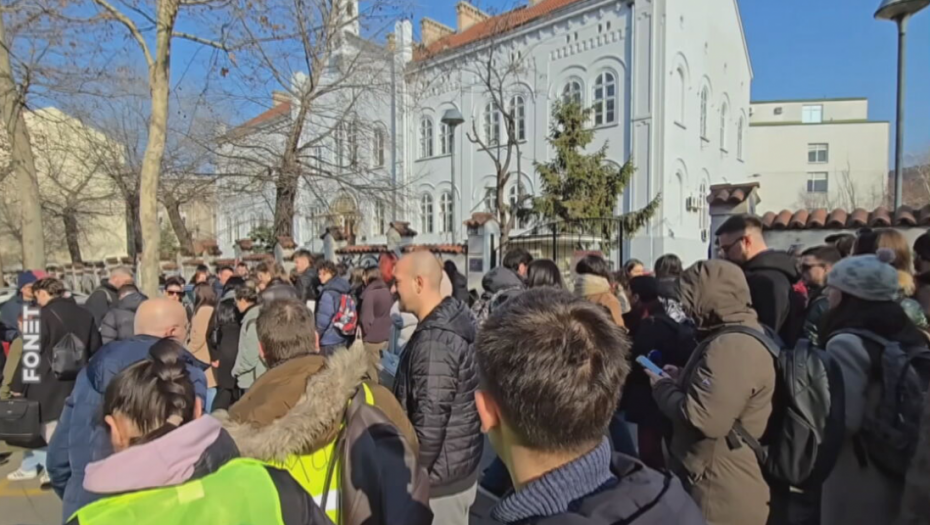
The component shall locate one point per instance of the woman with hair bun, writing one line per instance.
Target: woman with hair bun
(173, 466)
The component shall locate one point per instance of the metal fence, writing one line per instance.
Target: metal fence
(567, 241)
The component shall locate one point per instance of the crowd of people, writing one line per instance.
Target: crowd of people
(631, 395)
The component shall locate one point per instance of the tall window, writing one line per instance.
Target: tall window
(817, 182)
(341, 144)
(518, 109)
(229, 229)
(572, 92)
(723, 126)
(426, 213)
(445, 211)
(490, 199)
(426, 138)
(517, 198)
(492, 125)
(605, 99)
(353, 143)
(704, 95)
(818, 153)
(378, 147)
(680, 94)
(380, 213)
(812, 114)
(446, 138)
(739, 139)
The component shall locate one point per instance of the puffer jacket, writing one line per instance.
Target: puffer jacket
(732, 379)
(435, 384)
(119, 322)
(500, 284)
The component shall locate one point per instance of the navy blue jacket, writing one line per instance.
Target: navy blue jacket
(326, 309)
(9, 317)
(82, 436)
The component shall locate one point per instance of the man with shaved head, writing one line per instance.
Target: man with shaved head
(81, 436)
(435, 384)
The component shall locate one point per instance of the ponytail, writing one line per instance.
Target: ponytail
(156, 394)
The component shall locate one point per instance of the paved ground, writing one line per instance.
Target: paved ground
(23, 502)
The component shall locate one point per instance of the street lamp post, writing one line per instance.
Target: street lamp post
(900, 11)
(453, 118)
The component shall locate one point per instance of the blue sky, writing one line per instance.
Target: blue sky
(815, 49)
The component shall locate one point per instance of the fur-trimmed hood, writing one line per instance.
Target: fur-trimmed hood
(276, 419)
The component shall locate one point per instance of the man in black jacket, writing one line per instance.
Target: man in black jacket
(307, 280)
(106, 295)
(551, 365)
(59, 317)
(771, 275)
(436, 383)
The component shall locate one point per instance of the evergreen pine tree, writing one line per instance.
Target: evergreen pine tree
(577, 185)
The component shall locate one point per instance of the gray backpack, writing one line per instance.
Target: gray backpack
(890, 432)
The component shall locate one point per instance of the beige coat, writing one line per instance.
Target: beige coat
(732, 380)
(198, 340)
(597, 290)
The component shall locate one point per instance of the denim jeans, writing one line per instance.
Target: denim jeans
(211, 395)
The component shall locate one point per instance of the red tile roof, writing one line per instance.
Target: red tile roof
(281, 109)
(840, 219)
(287, 242)
(245, 244)
(258, 257)
(492, 26)
(730, 193)
(479, 219)
(358, 249)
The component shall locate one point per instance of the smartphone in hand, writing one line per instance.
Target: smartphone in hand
(646, 363)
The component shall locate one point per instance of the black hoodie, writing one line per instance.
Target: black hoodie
(436, 382)
(771, 276)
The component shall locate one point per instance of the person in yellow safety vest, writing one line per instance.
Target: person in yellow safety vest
(173, 466)
(295, 417)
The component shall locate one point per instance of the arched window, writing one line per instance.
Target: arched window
(445, 211)
(704, 95)
(378, 147)
(426, 138)
(426, 213)
(518, 202)
(492, 125)
(739, 139)
(605, 99)
(490, 200)
(518, 110)
(723, 126)
(573, 92)
(446, 137)
(679, 94)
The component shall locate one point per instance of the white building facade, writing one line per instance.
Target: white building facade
(825, 153)
(669, 81)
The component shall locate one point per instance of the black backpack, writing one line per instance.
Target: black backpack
(891, 430)
(69, 355)
(805, 432)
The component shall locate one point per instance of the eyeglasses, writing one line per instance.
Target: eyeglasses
(176, 293)
(725, 248)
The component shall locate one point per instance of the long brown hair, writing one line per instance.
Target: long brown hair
(885, 318)
(204, 295)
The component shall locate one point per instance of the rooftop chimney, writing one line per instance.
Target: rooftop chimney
(279, 97)
(431, 30)
(469, 15)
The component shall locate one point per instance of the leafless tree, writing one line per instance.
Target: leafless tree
(845, 193)
(326, 81)
(152, 26)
